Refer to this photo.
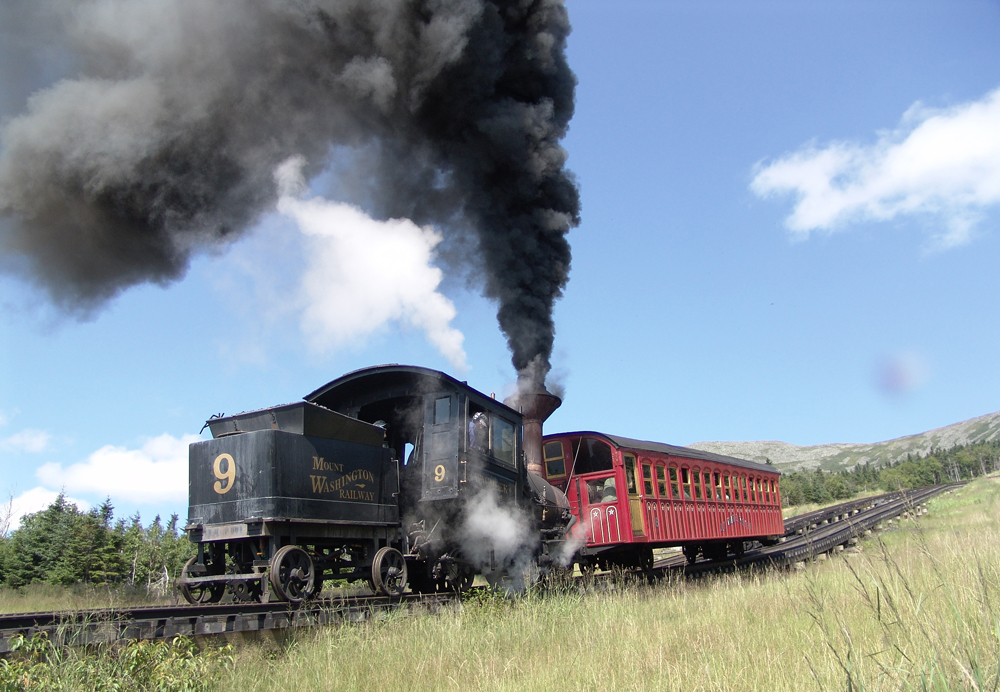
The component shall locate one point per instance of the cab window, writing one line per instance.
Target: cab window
(503, 440)
(479, 429)
(442, 410)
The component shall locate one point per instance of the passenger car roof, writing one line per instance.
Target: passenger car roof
(672, 450)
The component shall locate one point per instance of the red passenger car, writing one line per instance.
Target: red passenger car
(630, 497)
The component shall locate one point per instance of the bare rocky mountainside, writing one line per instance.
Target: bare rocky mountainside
(845, 456)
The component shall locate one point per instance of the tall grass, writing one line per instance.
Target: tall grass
(38, 598)
(916, 609)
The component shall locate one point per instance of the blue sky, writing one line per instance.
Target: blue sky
(789, 232)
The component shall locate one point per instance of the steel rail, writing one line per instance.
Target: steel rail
(809, 543)
(232, 622)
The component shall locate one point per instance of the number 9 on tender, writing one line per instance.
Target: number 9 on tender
(228, 474)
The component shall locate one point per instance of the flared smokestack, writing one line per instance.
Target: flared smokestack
(536, 407)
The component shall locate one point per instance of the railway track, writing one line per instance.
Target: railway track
(806, 537)
(235, 622)
(817, 533)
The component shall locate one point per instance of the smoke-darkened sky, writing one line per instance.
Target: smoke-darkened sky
(162, 138)
(788, 224)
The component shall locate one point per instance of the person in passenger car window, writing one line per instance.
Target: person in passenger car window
(610, 493)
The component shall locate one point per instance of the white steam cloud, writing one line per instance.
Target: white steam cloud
(363, 274)
(494, 531)
(939, 162)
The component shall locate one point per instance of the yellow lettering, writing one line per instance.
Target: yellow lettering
(439, 473)
(229, 475)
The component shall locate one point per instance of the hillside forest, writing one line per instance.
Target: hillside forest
(959, 463)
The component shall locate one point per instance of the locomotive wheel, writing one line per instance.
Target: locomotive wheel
(389, 572)
(292, 574)
(464, 582)
(196, 594)
(458, 578)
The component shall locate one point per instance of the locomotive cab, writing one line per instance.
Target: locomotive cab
(463, 460)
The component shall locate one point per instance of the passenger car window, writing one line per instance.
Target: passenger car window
(647, 479)
(673, 483)
(661, 481)
(697, 484)
(630, 474)
(591, 456)
(555, 464)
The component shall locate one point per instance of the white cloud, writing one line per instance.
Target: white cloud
(27, 441)
(363, 274)
(156, 472)
(940, 162)
(31, 501)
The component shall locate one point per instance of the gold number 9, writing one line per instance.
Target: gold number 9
(438, 473)
(229, 475)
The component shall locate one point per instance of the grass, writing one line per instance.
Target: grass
(916, 609)
(38, 598)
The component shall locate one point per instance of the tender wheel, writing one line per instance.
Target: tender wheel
(197, 594)
(292, 574)
(389, 572)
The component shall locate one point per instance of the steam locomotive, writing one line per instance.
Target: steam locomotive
(396, 475)
(404, 476)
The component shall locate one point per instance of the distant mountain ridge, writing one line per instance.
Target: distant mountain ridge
(845, 456)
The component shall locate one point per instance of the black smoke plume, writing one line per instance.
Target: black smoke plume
(162, 139)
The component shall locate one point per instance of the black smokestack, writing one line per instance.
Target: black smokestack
(163, 140)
